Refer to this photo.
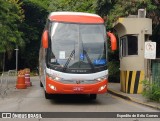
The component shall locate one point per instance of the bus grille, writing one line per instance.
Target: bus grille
(79, 81)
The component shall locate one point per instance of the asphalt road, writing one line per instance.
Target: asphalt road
(32, 100)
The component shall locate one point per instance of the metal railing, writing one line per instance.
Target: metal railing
(7, 82)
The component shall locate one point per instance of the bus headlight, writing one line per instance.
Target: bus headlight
(55, 78)
(101, 78)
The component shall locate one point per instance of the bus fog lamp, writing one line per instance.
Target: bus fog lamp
(52, 87)
(102, 88)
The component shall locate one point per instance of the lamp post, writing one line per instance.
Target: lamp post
(16, 58)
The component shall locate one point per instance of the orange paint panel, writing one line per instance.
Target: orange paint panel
(76, 19)
(45, 39)
(113, 41)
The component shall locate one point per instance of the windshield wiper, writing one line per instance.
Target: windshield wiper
(89, 60)
(69, 59)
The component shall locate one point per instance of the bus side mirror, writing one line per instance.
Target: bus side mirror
(45, 39)
(113, 41)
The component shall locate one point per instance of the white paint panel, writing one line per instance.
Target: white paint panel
(72, 13)
(68, 76)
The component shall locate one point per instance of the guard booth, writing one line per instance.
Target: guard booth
(132, 32)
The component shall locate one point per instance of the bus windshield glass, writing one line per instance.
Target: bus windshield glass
(77, 46)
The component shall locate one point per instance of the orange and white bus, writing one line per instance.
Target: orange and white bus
(73, 54)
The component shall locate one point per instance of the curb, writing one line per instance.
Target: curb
(131, 99)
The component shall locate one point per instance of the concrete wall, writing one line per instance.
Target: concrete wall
(140, 27)
(133, 68)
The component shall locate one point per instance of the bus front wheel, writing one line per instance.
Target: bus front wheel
(48, 96)
(41, 85)
(93, 96)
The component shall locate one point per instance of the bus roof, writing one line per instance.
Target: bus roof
(75, 17)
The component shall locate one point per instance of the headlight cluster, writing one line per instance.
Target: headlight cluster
(55, 78)
(101, 78)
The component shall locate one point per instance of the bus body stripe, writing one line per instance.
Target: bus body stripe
(129, 81)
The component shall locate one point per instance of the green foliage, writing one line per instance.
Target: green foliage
(11, 17)
(72, 5)
(114, 73)
(36, 12)
(155, 16)
(124, 8)
(151, 91)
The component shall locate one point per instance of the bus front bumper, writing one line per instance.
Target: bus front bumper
(56, 87)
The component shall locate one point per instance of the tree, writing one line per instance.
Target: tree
(155, 16)
(11, 17)
(103, 7)
(72, 5)
(36, 12)
(123, 8)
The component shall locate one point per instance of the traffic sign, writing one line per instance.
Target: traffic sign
(150, 50)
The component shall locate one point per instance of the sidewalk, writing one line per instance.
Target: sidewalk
(114, 88)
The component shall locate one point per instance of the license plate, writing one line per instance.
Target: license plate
(78, 89)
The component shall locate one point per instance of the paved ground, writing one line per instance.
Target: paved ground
(115, 88)
(32, 100)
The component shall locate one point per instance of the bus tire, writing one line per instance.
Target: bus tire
(41, 85)
(48, 96)
(93, 96)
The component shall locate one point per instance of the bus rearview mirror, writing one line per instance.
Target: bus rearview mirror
(113, 41)
(45, 39)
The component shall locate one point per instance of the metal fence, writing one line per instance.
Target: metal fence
(156, 71)
(7, 82)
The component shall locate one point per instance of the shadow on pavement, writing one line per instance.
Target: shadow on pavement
(72, 99)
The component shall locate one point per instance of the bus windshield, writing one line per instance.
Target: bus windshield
(77, 46)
